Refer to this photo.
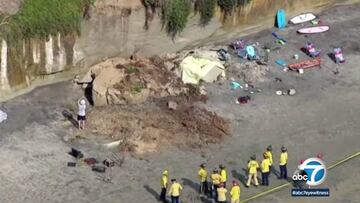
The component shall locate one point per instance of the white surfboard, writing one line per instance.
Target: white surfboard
(302, 18)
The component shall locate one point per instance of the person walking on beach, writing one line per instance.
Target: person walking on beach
(283, 162)
(164, 183)
(174, 191)
(253, 165)
(81, 117)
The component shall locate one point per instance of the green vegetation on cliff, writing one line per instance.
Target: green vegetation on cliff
(206, 8)
(40, 18)
(175, 15)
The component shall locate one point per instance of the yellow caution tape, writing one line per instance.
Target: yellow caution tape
(275, 189)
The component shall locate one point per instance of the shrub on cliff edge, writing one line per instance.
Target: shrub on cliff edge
(40, 18)
(175, 15)
(206, 8)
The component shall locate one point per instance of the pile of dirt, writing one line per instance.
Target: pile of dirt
(132, 81)
(150, 127)
(249, 72)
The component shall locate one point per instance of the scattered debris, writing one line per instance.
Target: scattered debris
(147, 127)
(90, 161)
(278, 80)
(223, 55)
(281, 62)
(71, 164)
(249, 72)
(291, 92)
(305, 64)
(338, 55)
(172, 105)
(311, 50)
(3, 116)
(118, 159)
(315, 22)
(243, 100)
(98, 168)
(235, 85)
(279, 92)
(109, 163)
(202, 90)
(76, 153)
(113, 144)
(279, 37)
(238, 44)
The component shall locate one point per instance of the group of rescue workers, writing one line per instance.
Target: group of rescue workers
(216, 188)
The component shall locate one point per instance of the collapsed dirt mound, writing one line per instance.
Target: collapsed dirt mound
(132, 81)
(148, 128)
(249, 72)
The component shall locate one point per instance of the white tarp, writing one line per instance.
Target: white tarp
(3, 116)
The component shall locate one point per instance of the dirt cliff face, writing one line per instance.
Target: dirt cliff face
(116, 27)
(9, 6)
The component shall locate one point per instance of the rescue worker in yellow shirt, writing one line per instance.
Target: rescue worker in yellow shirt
(235, 192)
(215, 179)
(270, 156)
(221, 194)
(174, 191)
(203, 179)
(223, 174)
(164, 182)
(265, 170)
(283, 163)
(253, 165)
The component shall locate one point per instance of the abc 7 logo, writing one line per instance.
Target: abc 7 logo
(313, 171)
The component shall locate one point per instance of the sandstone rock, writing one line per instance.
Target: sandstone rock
(136, 98)
(173, 91)
(119, 60)
(202, 90)
(170, 55)
(172, 105)
(169, 66)
(107, 77)
(114, 96)
(86, 78)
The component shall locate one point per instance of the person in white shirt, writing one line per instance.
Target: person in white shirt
(81, 117)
